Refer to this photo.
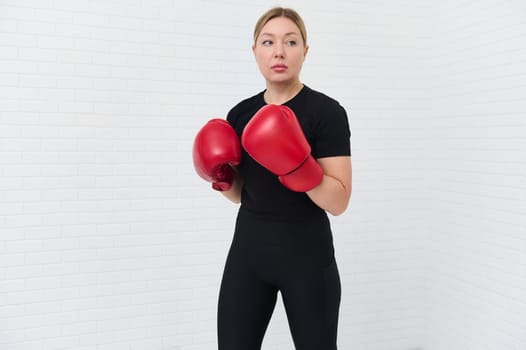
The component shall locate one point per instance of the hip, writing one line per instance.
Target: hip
(308, 240)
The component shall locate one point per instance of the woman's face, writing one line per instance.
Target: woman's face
(280, 51)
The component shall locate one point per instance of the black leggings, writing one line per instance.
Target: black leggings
(294, 258)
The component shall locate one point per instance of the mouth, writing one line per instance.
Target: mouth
(279, 67)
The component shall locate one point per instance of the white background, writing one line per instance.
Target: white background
(110, 241)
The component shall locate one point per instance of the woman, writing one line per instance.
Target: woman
(282, 240)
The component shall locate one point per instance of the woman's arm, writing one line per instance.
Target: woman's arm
(334, 191)
(234, 193)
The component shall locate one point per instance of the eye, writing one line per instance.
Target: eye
(291, 43)
(266, 42)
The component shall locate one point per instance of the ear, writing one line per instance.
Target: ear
(305, 51)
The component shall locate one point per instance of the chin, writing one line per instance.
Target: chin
(280, 80)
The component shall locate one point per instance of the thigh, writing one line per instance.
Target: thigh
(245, 307)
(312, 300)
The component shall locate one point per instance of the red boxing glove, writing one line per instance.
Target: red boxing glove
(273, 137)
(216, 148)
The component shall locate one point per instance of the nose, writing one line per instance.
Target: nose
(278, 51)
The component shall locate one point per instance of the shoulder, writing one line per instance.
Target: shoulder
(319, 107)
(246, 105)
(322, 100)
(241, 113)
(326, 125)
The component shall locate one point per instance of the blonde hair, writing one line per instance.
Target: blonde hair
(281, 12)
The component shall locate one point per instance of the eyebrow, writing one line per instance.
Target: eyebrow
(286, 34)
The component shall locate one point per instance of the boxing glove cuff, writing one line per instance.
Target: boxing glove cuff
(225, 177)
(307, 176)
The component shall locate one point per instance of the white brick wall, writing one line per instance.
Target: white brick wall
(477, 245)
(108, 239)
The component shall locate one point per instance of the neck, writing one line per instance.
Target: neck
(279, 94)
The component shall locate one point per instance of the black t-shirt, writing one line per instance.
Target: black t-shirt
(325, 125)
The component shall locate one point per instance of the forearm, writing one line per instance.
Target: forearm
(331, 195)
(334, 191)
(234, 193)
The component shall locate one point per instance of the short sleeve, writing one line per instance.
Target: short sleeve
(333, 134)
